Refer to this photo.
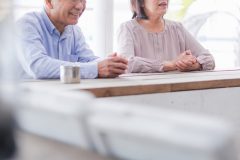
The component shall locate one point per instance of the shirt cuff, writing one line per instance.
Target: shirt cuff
(89, 70)
(99, 59)
(206, 62)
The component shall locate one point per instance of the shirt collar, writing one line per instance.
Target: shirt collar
(48, 22)
(67, 31)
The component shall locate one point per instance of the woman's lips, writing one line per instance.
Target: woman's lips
(163, 4)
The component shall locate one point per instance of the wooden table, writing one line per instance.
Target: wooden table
(136, 84)
(214, 93)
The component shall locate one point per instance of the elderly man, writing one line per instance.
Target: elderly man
(51, 38)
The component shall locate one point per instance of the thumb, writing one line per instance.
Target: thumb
(188, 52)
(114, 54)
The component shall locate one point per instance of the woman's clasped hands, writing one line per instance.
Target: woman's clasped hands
(187, 62)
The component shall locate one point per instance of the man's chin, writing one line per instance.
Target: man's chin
(73, 22)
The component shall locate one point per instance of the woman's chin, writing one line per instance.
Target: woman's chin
(162, 13)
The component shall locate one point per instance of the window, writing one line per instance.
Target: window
(23, 6)
(217, 28)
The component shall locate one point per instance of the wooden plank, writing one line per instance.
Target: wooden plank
(129, 90)
(199, 85)
(135, 84)
(161, 88)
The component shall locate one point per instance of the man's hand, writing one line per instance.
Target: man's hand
(112, 66)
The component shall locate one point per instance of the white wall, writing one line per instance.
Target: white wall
(223, 103)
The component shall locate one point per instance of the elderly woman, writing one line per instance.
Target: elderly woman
(154, 44)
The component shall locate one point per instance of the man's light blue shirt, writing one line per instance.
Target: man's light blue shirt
(44, 49)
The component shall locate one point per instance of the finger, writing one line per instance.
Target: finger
(188, 62)
(181, 64)
(116, 71)
(195, 66)
(192, 60)
(113, 54)
(122, 56)
(183, 55)
(189, 59)
(119, 65)
(119, 59)
(179, 67)
(188, 52)
(182, 69)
